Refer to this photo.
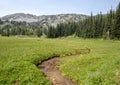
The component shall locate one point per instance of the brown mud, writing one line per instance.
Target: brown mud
(53, 73)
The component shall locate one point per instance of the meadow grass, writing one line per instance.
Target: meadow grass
(19, 56)
(100, 67)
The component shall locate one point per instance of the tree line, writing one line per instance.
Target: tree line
(61, 30)
(12, 28)
(105, 26)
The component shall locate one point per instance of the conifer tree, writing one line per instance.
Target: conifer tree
(116, 30)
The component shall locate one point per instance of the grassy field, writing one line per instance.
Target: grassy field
(100, 67)
(19, 56)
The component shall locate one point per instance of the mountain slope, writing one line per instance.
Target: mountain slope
(44, 19)
(20, 17)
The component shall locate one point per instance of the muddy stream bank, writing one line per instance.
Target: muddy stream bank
(53, 73)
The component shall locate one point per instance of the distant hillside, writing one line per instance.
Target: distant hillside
(44, 19)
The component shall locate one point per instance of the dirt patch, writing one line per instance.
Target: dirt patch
(53, 73)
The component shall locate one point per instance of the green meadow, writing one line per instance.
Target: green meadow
(100, 67)
(19, 57)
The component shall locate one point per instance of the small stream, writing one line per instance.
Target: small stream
(53, 73)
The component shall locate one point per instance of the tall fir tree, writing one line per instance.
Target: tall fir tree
(116, 30)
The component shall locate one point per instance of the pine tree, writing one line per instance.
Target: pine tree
(116, 30)
(6, 30)
(39, 32)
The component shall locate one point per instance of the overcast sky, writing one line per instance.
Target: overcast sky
(49, 7)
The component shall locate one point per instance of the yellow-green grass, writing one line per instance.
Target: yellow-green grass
(100, 67)
(19, 56)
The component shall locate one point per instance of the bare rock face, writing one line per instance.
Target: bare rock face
(45, 19)
(20, 17)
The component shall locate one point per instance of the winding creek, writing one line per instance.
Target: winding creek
(53, 73)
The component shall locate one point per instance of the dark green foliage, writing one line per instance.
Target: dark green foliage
(105, 26)
(91, 27)
(52, 33)
(116, 30)
(109, 25)
(39, 32)
(101, 26)
(5, 30)
(17, 28)
(62, 29)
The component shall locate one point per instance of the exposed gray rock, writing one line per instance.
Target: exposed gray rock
(44, 19)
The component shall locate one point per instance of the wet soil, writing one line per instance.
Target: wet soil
(53, 73)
